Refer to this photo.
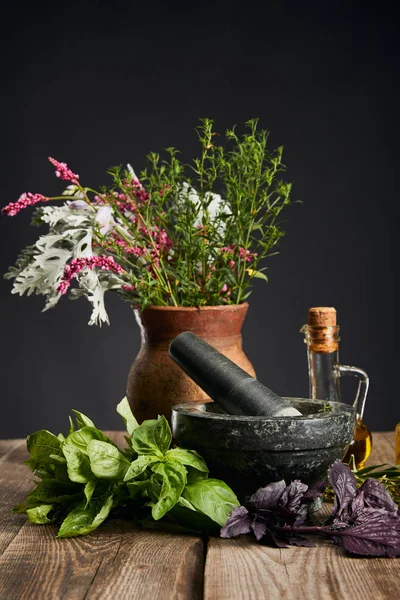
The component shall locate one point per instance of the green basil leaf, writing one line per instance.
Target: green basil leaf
(106, 461)
(78, 464)
(59, 459)
(61, 437)
(213, 498)
(81, 520)
(189, 458)
(89, 489)
(81, 438)
(39, 514)
(124, 410)
(50, 491)
(173, 483)
(193, 475)
(41, 445)
(71, 425)
(152, 437)
(138, 466)
(137, 487)
(187, 516)
(82, 420)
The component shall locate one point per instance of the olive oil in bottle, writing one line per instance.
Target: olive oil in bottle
(324, 371)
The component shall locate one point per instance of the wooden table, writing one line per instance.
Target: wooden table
(118, 561)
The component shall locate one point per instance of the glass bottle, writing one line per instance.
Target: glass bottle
(324, 371)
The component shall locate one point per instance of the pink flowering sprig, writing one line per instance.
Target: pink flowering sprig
(106, 263)
(233, 253)
(25, 200)
(64, 172)
(28, 199)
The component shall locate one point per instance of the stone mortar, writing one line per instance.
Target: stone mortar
(250, 452)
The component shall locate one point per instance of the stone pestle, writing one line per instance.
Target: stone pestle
(232, 388)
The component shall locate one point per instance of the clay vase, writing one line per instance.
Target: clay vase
(155, 382)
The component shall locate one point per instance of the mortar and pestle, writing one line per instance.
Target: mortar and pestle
(249, 436)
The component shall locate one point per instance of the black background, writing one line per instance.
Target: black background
(102, 83)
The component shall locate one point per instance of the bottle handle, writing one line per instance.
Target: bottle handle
(363, 385)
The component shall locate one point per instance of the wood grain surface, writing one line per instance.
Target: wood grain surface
(242, 569)
(120, 562)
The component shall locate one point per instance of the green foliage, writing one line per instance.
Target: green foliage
(84, 476)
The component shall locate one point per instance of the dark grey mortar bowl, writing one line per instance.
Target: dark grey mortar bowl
(250, 452)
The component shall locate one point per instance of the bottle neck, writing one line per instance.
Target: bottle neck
(323, 360)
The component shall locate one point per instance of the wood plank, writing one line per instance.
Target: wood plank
(116, 561)
(15, 483)
(383, 448)
(242, 569)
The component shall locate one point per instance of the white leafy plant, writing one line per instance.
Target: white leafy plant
(70, 236)
(71, 227)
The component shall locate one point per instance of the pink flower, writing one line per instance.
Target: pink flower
(106, 263)
(239, 250)
(23, 201)
(128, 288)
(224, 288)
(63, 172)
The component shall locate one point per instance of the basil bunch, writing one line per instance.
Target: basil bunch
(84, 476)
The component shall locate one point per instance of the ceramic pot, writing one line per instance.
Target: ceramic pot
(155, 382)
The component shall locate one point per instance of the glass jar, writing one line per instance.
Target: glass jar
(324, 371)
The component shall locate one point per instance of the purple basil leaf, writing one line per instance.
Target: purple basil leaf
(315, 491)
(377, 496)
(344, 484)
(379, 536)
(267, 497)
(239, 522)
(295, 539)
(302, 514)
(279, 540)
(259, 528)
(292, 496)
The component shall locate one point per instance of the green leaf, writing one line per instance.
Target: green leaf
(173, 483)
(213, 498)
(58, 459)
(51, 491)
(78, 464)
(41, 445)
(124, 410)
(81, 520)
(89, 489)
(82, 420)
(189, 458)
(187, 516)
(71, 425)
(81, 438)
(138, 466)
(194, 475)
(137, 487)
(39, 514)
(152, 437)
(257, 274)
(106, 461)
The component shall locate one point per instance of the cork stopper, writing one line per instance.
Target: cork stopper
(322, 316)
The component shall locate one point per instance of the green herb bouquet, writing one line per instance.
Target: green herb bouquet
(178, 235)
(84, 476)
